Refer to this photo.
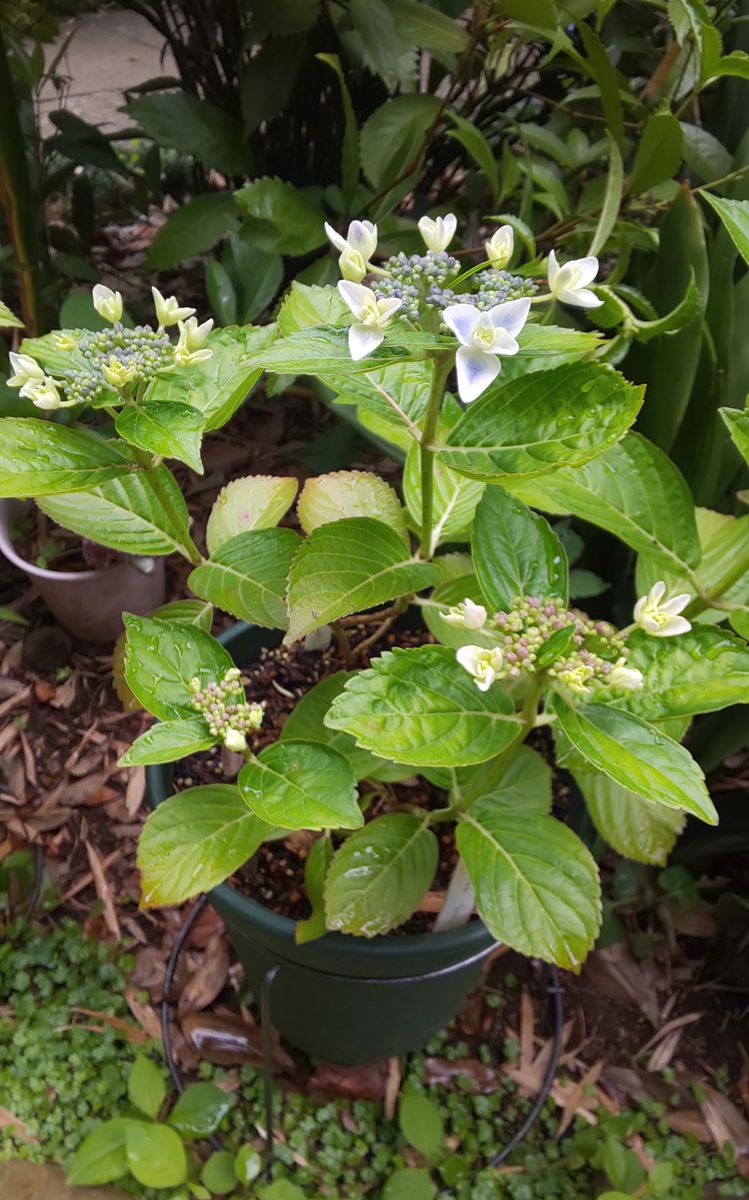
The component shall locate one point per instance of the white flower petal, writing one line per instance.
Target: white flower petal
(580, 298)
(355, 294)
(676, 603)
(389, 306)
(462, 319)
(553, 269)
(469, 658)
(656, 593)
(639, 606)
(587, 269)
(338, 241)
(363, 339)
(362, 236)
(504, 343)
(451, 224)
(510, 316)
(476, 370)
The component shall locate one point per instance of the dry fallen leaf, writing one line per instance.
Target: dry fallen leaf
(726, 1122)
(228, 1041)
(577, 1097)
(367, 1082)
(104, 892)
(143, 1013)
(443, 1070)
(615, 973)
(135, 791)
(209, 980)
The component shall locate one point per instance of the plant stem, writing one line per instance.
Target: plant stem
(443, 362)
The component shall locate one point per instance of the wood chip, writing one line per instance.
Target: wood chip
(392, 1087)
(104, 892)
(135, 791)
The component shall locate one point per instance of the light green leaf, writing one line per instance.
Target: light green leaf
(322, 350)
(100, 1158)
(218, 1173)
(544, 347)
(633, 827)
(219, 384)
(408, 383)
(39, 458)
(612, 199)
(392, 138)
(193, 229)
(535, 883)
(421, 1124)
(454, 499)
(637, 756)
(247, 1164)
(633, 491)
(410, 1183)
(161, 657)
(281, 218)
(348, 567)
(247, 576)
(146, 1086)
(194, 127)
(192, 612)
(200, 1109)
(301, 785)
(658, 154)
(127, 514)
(315, 871)
(735, 217)
(543, 421)
(328, 498)
(516, 552)
(737, 423)
(194, 841)
(8, 319)
(306, 723)
(380, 874)
(523, 785)
(697, 672)
(222, 295)
(420, 706)
(725, 555)
(167, 741)
(170, 429)
(306, 305)
(254, 502)
(155, 1154)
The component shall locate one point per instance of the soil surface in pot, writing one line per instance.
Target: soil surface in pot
(274, 877)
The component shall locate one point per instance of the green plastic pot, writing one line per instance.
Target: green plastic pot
(342, 999)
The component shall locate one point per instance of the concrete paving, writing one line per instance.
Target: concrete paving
(109, 50)
(26, 1181)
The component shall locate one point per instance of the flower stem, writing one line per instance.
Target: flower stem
(443, 362)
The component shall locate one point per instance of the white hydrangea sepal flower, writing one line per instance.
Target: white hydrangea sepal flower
(438, 232)
(117, 373)
(107, 303)
(190, 347)
(483, 336)
(568, 282)
(168, 310)
(629, 679)
(27, 374)
(659, 617)
(467, 615)
(45, 395)
(234, 740)
(500, 246)
(372, 317)
(356, 248)
(483, 664)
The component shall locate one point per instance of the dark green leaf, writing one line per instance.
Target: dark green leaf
(161, 658)
(658, 155)
(301, 785)
(247, 575)
(516, 552)
(39, 458)
(194, 127)
(281, 219)
(165, 428)
(193, 229)
(735, 217)
(392, 138)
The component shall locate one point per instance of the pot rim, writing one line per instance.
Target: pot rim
(469, 938)
(9, 551)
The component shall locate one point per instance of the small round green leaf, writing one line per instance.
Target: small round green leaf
(155, 1154)
(247, 1165)
(146, 1086)
(200, 1109)
(218, 1174)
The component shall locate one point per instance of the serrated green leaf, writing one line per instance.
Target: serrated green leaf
(737, 423)
(420, 706)
(194, 127)
(697, 672)
(735, 216)
(633, 491)
(167, 741)
(282, 219)
(254, 502)
(636, 755)
(348, 567)
(328, 498)
(218, 385)
(39, 458)
(167, 428)
(725, 544)
(193, 229)
(247, 576)
(323, 350)
(200, 1109)
(380, 874)
(301, 785)
(522, 785)
(535, 883)
(306, 305)
(536, 424)
(392, 137)
(155, 1154)
(161, 657)
(194, 841)
(641, 831)
(146, 1086)
(516, 552)
(127, 514)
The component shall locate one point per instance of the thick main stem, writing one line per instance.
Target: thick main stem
(442, 365)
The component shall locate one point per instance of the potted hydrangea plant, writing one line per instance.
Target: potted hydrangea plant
(436, 741)
(111, 380)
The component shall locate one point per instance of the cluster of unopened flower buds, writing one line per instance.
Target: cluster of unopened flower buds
(227, 712)
(118, 358)
(485, 311)
(542, 633)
